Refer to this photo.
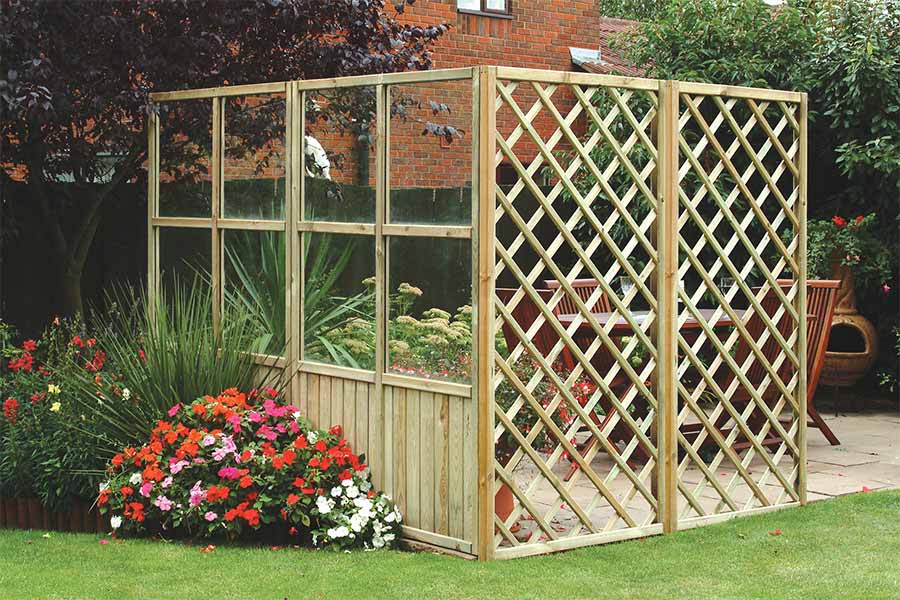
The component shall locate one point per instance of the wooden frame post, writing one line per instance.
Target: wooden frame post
(800, 297)
(152, 208)
(218, 176)
(667, 298)
(293, 268)
(485, 82)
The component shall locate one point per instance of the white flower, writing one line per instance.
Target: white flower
(324, 505)
(135, 478)
(336, 491)
(347, 482)
(338, 532)
(378, 541)
(389, 537)
(104, 486)
(126, 393)
(352, 491)
(357, 522)
(115, 522)
(311, 437)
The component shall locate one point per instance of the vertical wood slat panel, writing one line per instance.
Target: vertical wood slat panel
(412, 443)
(456, 462)
(425, 426)
(442, 465)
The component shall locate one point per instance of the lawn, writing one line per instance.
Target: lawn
(844, 548)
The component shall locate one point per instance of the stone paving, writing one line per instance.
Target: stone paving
(867, 459)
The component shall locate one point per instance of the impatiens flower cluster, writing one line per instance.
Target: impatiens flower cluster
(243, 463)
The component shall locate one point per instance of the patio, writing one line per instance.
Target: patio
(868, 459)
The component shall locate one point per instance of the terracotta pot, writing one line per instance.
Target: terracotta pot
(504, 502)
(845, 366)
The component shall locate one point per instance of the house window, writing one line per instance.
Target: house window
(488, 7)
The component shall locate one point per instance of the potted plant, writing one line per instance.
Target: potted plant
(849, 250)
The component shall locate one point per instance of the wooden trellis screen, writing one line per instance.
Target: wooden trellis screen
(636, 251)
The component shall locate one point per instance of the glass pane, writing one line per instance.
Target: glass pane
(431, 153)
(184, 258)
(496, 5)
(339, 146)
(339, 302)
(185, 151)
(255, 284)
(469, 4)
(254, 157)
(430, 294)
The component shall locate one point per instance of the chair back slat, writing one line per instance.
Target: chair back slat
(583, 289)
(525, 314)
(820, 299)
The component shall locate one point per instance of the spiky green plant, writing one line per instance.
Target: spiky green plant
(162, 350)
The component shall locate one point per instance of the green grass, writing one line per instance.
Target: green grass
(845, 548)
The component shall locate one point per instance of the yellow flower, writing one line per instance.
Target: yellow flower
(55, 406)
(53, 389)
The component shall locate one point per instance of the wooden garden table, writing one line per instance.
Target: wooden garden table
(623, 327)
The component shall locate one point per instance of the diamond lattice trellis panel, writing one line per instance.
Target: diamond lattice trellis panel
(740, 368)
(575, 412)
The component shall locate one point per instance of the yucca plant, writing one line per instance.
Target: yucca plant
(256, 288)
(162, 350)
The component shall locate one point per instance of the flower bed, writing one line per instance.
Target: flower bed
(246, 465)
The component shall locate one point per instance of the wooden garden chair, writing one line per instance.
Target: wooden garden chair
(820, 300)
(525, 313)
(583, 288)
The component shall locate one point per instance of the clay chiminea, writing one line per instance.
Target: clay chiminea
(853, 344)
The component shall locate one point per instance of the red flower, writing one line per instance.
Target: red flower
(300, 443)
(29, 346)
(321, 446)
(126, 491)
(313, 462)
(277, 463)
(839, 221)
(251, 516)
(299, 482)
(246, 481)
(11, 410)
(859, 219)
(345, 475)
(117, 460)
(217, 493)
(336, 430)
(289, 456)
(293, 499)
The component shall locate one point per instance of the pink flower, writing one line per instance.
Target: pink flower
(198, 495)
(166, 482)
(267, 432)
(235, 421)
(174, 410)
(104, 542)
(175, 465)
(163, 503)
(146, 488)
(229, 473)
(274, 410)
(208, 440)
(210, 516)
(885, 288)
(254, 417)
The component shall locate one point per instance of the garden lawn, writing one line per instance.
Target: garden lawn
(843, 548)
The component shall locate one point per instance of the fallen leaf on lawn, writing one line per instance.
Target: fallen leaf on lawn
(46, 536)
(275, 548)
(209, 548)
(776, 532)
(28, 542)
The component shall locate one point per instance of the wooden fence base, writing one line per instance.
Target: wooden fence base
(29, 513)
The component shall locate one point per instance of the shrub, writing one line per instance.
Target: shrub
(41, 453)
(239, 464)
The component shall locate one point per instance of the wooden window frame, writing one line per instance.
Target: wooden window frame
(484, 11)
